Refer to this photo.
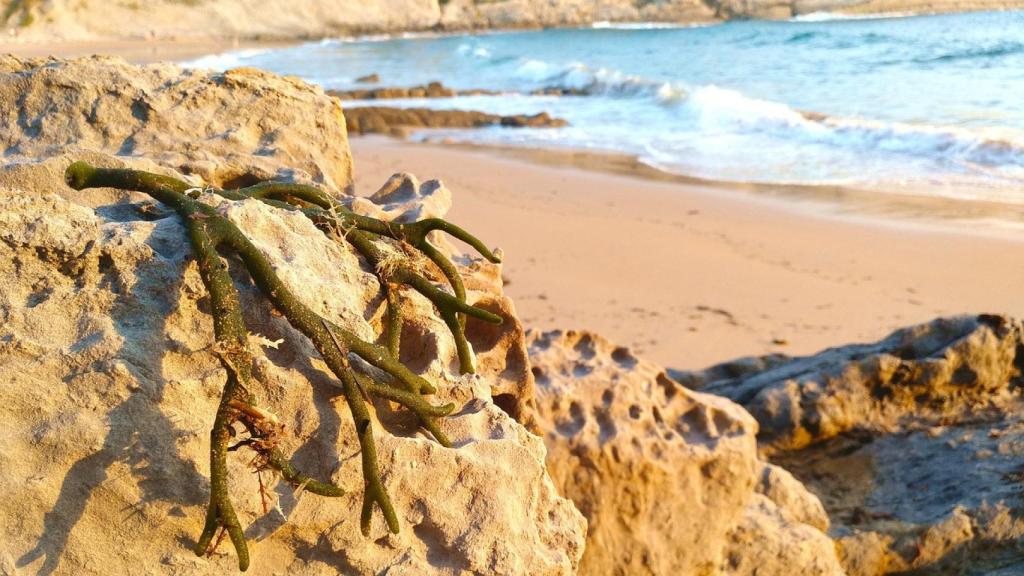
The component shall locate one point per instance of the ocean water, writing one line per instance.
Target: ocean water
(930, 105)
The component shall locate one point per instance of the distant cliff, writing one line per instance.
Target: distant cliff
(296, 19)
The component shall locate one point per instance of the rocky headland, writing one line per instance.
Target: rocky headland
(397, 121)
(438, 90)
(570, 454)
(305, 19)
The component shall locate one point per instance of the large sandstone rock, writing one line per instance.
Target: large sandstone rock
(229, 128)
(110, 387)
(669, 479)
(913, 443)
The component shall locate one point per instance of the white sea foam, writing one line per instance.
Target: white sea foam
(225, 60)
(834, 16)
(385, 37)
(421, 35)
(607, 25)
(472, 50)
(717, 109)
(596, 81)
(662, 107)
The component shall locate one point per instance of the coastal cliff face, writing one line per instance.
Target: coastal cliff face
(288, 19)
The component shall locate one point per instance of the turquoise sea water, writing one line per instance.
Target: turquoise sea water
(926, 105)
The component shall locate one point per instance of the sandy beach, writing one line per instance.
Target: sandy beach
(691, 275)
(179, 367)
(687, 273)
(134, 51)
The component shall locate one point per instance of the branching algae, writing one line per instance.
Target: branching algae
(208, 231)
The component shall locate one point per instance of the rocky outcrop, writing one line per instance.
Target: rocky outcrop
(668, 479)
(461, 14)
(439, 90)
(431, 90)
(952, 369)
(301, 19)
(229, 128)
(110, 385)
(913, 443)
(385, 120)
(901, 456)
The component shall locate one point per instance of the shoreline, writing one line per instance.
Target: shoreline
(689, 275)
(896, 209)
(691, 272)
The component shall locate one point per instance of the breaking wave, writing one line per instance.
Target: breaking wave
(226, 60)
(889, 103)
(712, 108)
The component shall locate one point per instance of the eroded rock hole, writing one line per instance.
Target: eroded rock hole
(509, 404)
(484, 336)
(418, 347)
(634, 412)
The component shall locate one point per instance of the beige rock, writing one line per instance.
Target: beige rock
(912, 443)
(500, 349)
(110, 389)
(783, 527)
(229, 128)
(104, 320)
(795, 503)
(866, 554)
(766, 542)
(947, 369)
(668, 478)
(551, 13)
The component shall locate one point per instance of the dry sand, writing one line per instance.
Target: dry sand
(691, 274)
(134, 51)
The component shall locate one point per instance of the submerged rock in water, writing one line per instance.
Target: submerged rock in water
(431, 90)
(439, 90)
(669, 479)
(384, 120)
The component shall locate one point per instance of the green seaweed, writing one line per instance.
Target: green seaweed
(211, 233)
